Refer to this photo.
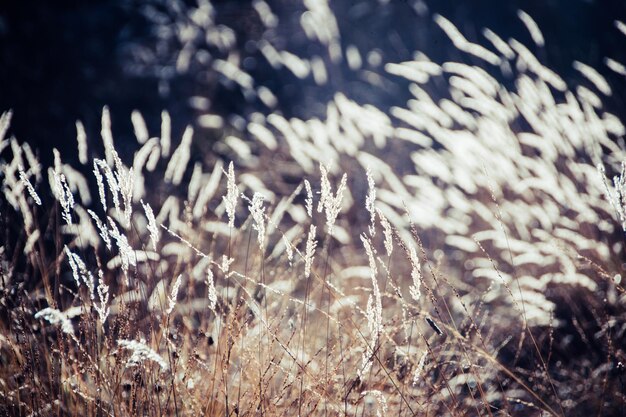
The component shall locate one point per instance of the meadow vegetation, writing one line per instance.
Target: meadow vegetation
(460, 254)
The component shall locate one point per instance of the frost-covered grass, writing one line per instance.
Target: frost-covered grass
(459, 255)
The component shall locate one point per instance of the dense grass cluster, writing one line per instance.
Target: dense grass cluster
(460, 254)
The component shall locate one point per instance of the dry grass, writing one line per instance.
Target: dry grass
(475, 272)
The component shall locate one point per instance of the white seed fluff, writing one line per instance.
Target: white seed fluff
(309, 252)
(173, 295)
(155, 233)
(232, 193)
(29, 187)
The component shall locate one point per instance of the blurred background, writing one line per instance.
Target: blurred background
(64, 60)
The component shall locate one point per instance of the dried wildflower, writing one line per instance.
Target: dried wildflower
(155, 233)
(370, 200)
(416, 274)
(113, 185)
(140, 353)
(212, 293)
(103, 296)
(387, 231)
(288, 248)
(102, 229)
(100, 167)
(63, 194)
(332, 209)
(225, 265)
(326, 191)
(80, 272)
(374, 309)
(309, 253)
(127, 254)
(121, 181)
(331, 204)
(616, 193)
(309, 198)
(258, 214)
(125, 182)
(100, 182)
(232, 193)
(173, 295)
(31, 190)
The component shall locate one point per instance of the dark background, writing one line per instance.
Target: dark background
(64, 60)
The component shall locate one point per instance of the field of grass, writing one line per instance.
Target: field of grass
(458, 254)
